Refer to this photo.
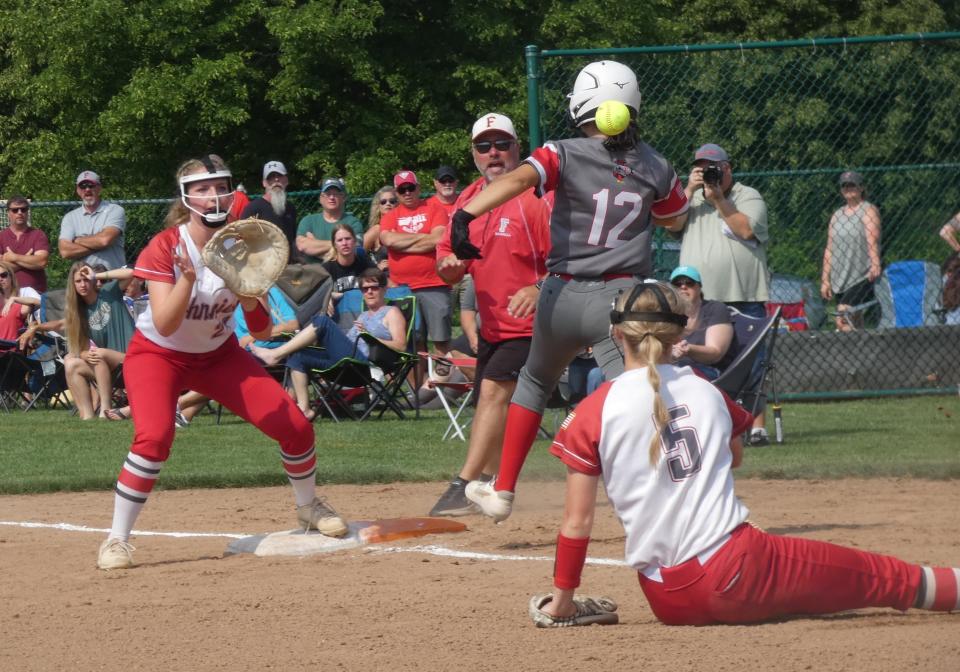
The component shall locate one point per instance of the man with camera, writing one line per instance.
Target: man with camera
(725, 238)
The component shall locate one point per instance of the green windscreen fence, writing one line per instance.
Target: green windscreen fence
(793, 117)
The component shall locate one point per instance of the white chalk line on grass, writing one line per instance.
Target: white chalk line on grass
(430, 549)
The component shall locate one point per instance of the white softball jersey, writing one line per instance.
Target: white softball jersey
(685, 505)
(209, 318)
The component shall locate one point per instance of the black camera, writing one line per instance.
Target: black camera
(712, 174)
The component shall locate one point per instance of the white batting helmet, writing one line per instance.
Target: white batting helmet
(600, 81)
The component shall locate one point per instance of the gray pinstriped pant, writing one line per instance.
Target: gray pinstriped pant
(571, 315)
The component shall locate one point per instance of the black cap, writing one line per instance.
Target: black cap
(447, 171)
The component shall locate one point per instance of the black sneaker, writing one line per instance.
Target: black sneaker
(454, 501)
(758, 438)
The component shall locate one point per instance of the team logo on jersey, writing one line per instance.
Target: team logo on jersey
(100, 318)
(621, 170)
(502, 228)
(412, 224)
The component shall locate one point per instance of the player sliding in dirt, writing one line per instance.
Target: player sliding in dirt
(665, 441)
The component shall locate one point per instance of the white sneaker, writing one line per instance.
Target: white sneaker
(115, 554)
(320, 516)
(498, 504)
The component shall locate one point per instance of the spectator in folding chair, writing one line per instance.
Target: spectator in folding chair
(951, 289)
(705, 342)
(283, 320)
(13, 313)
(380, 320)
(98, 328)
(515, 239)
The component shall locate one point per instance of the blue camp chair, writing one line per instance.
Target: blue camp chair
(909, 294)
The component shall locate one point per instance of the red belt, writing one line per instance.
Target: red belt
(566, 277)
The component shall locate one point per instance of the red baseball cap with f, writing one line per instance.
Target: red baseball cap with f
(405, 177)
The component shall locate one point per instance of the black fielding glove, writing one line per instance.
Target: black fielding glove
(460, 236)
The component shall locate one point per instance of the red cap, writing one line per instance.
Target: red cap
(405, 177)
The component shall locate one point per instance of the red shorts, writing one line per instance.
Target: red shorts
(757, 576)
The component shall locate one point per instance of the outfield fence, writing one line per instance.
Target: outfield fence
(794, 115)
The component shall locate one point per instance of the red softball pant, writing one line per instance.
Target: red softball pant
(155, 377)
(757, 576)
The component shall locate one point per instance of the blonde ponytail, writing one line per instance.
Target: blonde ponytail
(647, 341)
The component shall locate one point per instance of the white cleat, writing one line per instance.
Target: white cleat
(498, 504)
(115, 554)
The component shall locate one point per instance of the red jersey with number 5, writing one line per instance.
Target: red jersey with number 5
(686, 503)
(600, 222)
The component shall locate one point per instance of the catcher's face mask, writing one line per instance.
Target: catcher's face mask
(215, 216)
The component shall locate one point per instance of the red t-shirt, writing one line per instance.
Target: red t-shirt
(514, 239)
(416, 269)
(31, 239)
(12, 322)
(449, 209)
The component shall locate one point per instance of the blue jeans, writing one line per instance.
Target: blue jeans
(333, 346)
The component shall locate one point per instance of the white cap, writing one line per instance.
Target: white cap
(273, 167)
(88, 176)
(493, 122)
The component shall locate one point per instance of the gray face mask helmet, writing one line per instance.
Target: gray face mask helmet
(215, 217)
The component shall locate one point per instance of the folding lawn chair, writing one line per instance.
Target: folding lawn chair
(449, 388)
(909, 294)
(746, 376)
(307, 288)
(341, 387)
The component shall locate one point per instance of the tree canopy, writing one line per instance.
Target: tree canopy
(351, 87)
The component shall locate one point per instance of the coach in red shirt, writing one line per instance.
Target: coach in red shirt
(410, 232)
(515, 239)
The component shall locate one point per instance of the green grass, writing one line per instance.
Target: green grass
(45, 451)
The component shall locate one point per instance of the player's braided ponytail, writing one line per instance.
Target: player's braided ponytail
(648, 340)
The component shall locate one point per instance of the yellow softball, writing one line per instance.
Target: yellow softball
(613, 117)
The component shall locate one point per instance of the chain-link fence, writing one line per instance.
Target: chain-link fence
(794, 116)
(144, 220)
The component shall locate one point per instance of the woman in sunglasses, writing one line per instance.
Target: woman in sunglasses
(13, 314)
(706, 340)
(380, 320)
(383, 201)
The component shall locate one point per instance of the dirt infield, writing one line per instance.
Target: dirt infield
(185, 607)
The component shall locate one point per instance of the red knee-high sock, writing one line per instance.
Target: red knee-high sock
(940, 589)
(518, 437)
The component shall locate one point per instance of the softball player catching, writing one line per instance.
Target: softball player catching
(185, 340)
(665, 441)
(608, 191)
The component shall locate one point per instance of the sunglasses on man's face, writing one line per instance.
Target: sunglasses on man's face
(391, 201)
(447, 180)
(87, 185)
(369, 288)
(407, 189)
(484, 146)
(684, 283)
(16, 210)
